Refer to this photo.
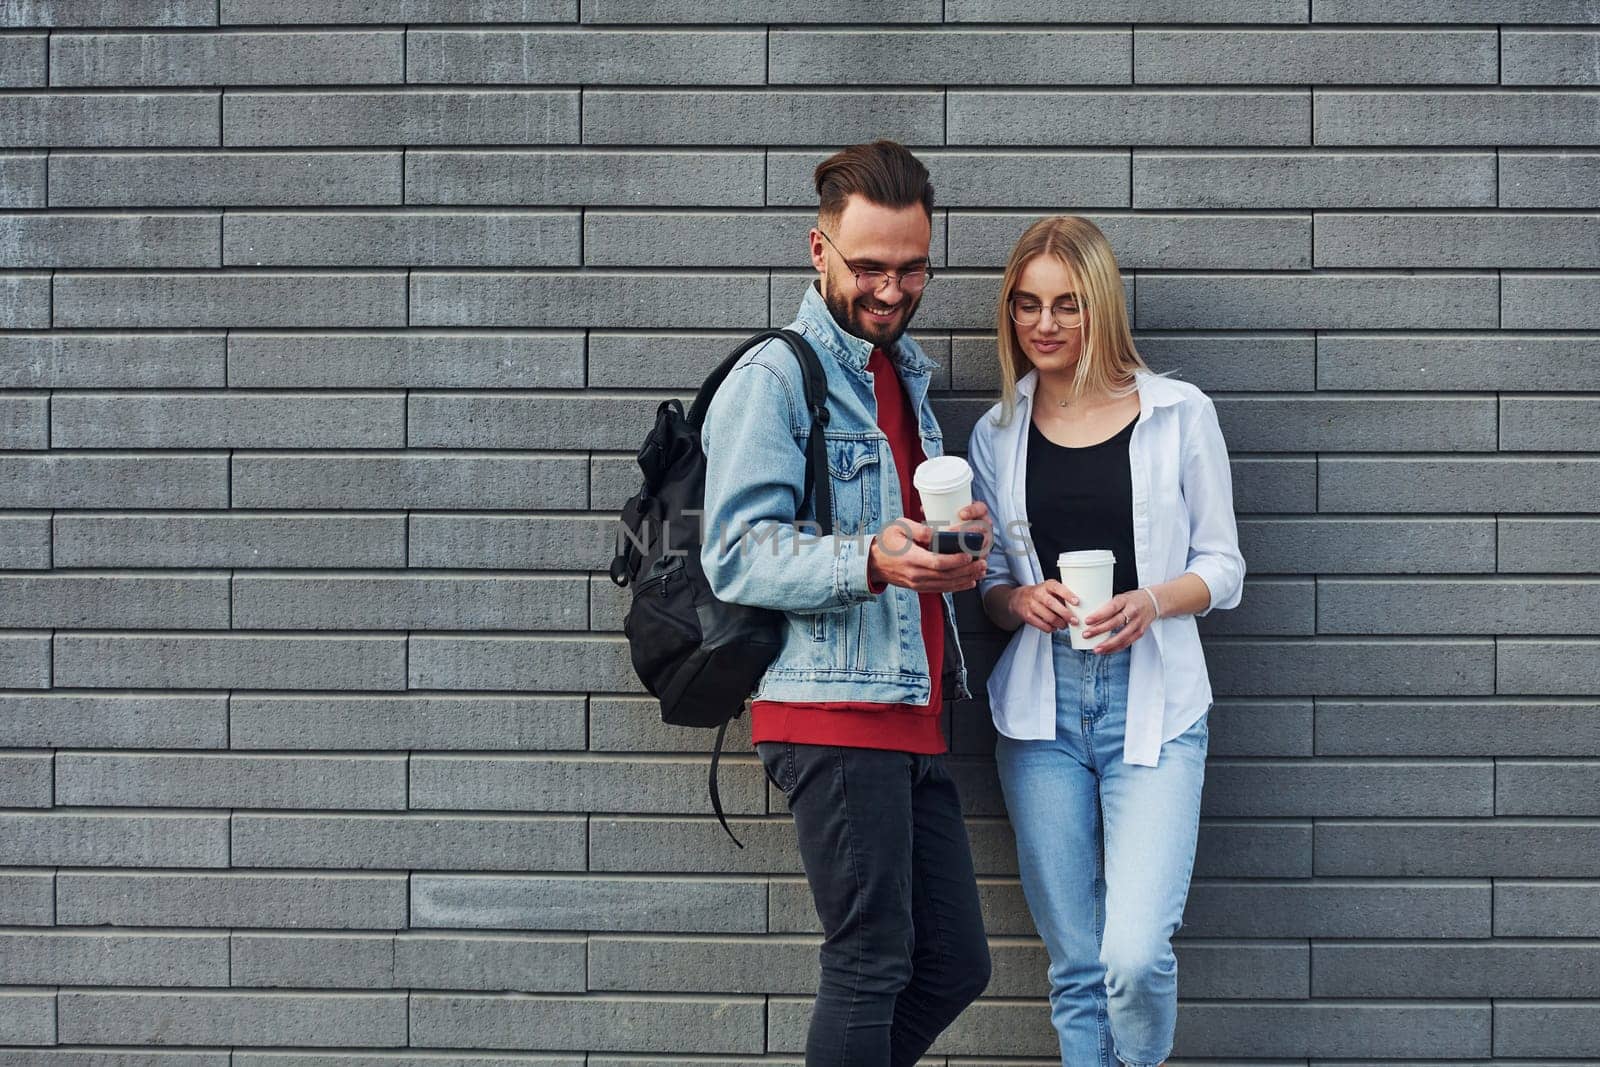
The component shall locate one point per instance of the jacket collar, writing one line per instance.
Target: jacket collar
(853, 351)
(1155, 391)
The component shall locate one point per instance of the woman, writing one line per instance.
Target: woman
(1101, 753)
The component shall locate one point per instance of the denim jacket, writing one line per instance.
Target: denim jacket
(843, 642)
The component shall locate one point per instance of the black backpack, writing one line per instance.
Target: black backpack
(699, 656)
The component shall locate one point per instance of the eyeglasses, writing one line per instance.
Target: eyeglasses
(870, 281)
(1026, 311)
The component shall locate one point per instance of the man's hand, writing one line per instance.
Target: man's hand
(975, 516)
(900, 556)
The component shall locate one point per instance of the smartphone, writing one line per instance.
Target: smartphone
(949, 542)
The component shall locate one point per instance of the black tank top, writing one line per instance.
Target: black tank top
(1081, 498)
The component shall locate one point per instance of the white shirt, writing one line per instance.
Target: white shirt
(1182, 521)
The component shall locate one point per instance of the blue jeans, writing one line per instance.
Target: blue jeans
(1105, 850)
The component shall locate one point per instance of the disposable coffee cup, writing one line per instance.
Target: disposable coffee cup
(1088, 574)
(945, 485)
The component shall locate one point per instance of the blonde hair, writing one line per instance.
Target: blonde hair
(1108, 358)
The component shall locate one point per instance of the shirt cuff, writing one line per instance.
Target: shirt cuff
(1210, 573)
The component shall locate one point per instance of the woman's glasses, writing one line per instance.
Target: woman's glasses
(1026, 311)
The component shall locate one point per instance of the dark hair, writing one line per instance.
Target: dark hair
(883, 172)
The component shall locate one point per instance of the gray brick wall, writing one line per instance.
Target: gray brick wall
(328, 327)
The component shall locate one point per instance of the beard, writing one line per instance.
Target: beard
(848, 307)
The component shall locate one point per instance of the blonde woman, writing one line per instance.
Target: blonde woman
(1101, 753)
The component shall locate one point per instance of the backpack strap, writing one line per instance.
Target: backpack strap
(815, 382)
(816, 387)
(716, 794)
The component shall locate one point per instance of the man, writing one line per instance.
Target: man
(846, 720)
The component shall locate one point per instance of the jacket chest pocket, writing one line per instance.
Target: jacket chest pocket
(854, 471)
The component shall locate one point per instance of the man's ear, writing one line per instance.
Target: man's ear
(819, 251)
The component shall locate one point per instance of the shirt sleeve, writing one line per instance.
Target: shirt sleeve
(753, 549)
(1208, 491)
(999, 571)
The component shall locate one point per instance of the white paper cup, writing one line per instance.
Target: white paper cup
(1088, 574)
(945, 485)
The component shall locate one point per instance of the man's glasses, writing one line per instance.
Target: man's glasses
(870, 281)
(1026, 311)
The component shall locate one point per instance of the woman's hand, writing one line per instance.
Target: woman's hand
(1128, 614)
(1046, 606)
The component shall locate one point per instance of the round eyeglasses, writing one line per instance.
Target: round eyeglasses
(1026, 311)
(870, 281)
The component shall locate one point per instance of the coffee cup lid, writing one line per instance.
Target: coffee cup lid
(1089, 557)
(941, 474)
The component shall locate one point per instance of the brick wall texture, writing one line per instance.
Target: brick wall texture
(328, 329)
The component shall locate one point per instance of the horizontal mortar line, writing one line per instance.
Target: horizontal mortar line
(1325, 272)
(1456, 701)
(1346, 762)
(215, 92)
(1303, 86)
(504, 87)
(1402, 27)
(278, 451)
(392, 993)
(1007, 209)
(576, 24)
(346, 873)
(393, 149)
(1530, 455)
(71, 691)
(1473, 577)
(119, 151)
(398, 271)
(401, 630)
(1466, 211)
(1364, 395)
(137, 929)
(699, 877)
(1418, 153)
(120, 211)
(337, 753)
(373, 932)
(116, 812)
(416, 571)
(405, 695)
(1462, 822)
(395, 27)
(1321, 881)
(183, 632)
(366, 391)
(241, 270)
(570, 816)
(307, 210)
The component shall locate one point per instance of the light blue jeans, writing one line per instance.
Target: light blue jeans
(1105, 850)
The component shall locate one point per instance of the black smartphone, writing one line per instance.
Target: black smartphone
(949, 542)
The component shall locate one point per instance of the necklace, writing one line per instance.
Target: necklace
(1063, 402)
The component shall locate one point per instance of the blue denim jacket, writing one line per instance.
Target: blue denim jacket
(843, 642)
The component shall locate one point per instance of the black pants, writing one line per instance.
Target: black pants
(890, 869)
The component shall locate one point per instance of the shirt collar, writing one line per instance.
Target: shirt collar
(1155, 391)
(853, 351)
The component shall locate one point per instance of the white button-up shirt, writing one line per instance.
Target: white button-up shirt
(1182, 521)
